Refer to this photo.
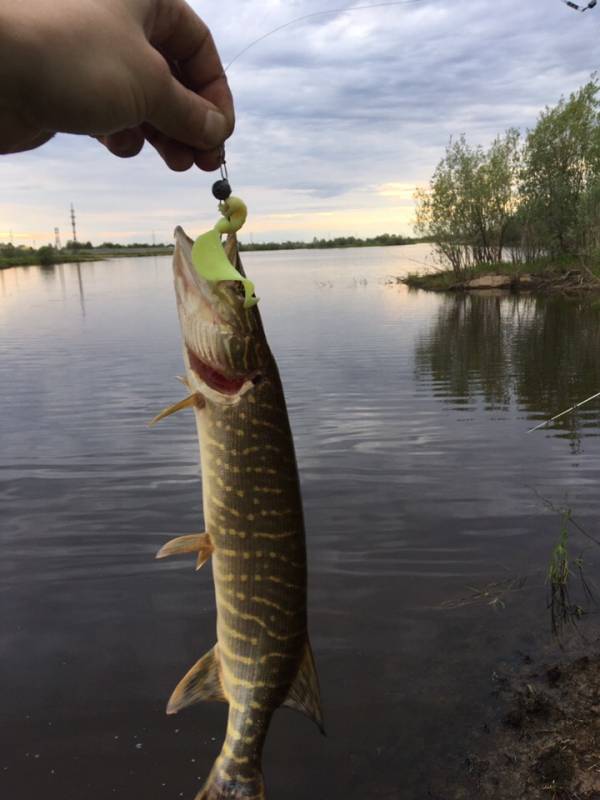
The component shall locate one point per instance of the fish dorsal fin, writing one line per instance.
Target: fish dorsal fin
(202, 682)
(193, 543)
(305, 695)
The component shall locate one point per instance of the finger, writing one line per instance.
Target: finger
(20, 134)
(180, 113)
(124, 144)
(178, 157)
(31, 143)
(184, 38)
(209, 160)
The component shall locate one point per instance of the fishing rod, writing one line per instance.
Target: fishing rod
(581, 9)
(563, 413)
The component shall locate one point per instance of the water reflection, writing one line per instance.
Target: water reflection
(539, 354)
(81, 293)
(48, 271)
(405, 506)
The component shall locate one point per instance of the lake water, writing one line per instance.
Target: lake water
(410, 413)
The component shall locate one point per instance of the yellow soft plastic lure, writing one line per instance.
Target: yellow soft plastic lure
(209, 257)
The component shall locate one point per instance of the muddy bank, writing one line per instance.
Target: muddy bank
(574, 280)
(545, 741)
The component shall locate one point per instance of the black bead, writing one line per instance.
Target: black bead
(221, 189)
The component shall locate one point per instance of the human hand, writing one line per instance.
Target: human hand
(124, 71)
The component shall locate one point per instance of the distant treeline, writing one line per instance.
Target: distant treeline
(70, 245)
(133, 245)
(538, 195)
(383, 240)
(11, 256)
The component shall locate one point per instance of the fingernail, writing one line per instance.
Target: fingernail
(215, 128)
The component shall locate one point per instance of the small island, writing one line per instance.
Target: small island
(523, 213)
(543, 275)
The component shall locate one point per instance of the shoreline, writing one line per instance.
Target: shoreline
(544, 743)
(540, 276)
(35, 260)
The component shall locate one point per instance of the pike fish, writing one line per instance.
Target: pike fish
(254, 533)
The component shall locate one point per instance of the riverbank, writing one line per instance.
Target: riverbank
(542, 275)
(547, 744)
(48, 256)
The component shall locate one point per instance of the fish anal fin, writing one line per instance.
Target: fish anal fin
(192, 543)
(202, 682)
(305, 695)
(193, 400)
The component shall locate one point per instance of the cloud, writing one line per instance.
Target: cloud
(338, 117)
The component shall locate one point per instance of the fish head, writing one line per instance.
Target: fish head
(225, 348)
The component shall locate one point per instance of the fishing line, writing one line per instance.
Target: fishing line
(314, 15)
(340, 10)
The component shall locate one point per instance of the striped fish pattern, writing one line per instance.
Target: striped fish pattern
(254, 527)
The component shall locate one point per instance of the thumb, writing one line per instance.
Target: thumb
(185, 116)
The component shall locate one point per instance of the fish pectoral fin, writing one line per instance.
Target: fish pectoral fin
(193, 400)
(305, 695)
(204, 554)
(193, 543)
(202, 682)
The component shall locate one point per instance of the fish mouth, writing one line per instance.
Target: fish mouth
(202, 306)
(214, 378)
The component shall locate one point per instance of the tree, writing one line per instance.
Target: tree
(561, 172)
(46, 255)
(471, 200)
(71, 245)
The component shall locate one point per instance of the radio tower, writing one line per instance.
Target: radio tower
(73, 223)
(57, 244)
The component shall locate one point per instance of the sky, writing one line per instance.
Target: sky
(339, 119)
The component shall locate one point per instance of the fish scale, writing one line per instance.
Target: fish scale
(245, 525)
(254, 528)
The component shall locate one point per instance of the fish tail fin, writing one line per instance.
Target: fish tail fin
(224, 784)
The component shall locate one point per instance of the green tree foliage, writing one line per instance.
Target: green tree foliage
(471, 200)
(71, 245)
(560, 179)
(383, 240)
(541, 196)
(47, 255)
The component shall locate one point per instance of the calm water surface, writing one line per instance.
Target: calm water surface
(410, 413)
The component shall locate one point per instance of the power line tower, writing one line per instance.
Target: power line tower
(73, 223)
(57, 243)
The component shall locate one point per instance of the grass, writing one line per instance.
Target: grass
(561, 569)
(547, 268)
(492, 594)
